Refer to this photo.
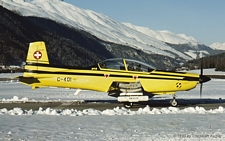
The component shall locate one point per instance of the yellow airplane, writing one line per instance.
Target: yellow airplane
(129, 80)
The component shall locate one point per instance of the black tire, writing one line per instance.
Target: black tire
(173, 103)
(128, 104)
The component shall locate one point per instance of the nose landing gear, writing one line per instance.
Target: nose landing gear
(173, 102)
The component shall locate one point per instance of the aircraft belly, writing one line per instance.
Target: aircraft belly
(97, 83)
(82, 82)
(92, 83)
(158, 86)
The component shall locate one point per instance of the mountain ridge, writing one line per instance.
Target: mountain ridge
(65, 45)
(108, 29)
(218, 46)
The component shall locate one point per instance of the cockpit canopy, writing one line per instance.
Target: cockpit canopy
(125, 64)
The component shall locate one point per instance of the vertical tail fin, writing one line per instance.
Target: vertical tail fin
(37, 53)
(37, 57)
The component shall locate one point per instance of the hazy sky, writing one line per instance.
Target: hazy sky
(202, 19)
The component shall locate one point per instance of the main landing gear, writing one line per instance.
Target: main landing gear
(173, 102)
(128, 104)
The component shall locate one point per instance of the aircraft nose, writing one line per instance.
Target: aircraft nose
(204, 79)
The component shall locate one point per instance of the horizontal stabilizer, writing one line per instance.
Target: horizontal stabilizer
(28, 80)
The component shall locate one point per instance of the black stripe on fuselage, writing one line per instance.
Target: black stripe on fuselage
(75, 73)
(60, 66)
(189, 78)
(113, 75)
(111, 71)
(182, 78)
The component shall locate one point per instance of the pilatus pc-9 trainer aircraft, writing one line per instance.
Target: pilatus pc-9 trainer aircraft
(129, 80)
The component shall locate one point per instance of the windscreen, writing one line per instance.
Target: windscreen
(134, 65)
(116, 64)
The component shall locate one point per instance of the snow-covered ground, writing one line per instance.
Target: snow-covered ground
(111, 124)
(210, 71)
(117, 127)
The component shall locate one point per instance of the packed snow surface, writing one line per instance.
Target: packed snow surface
(102, 26)
(191, 123)
(173, 127)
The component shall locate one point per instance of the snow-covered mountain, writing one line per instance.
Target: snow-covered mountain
(108, 29)
(164, 35)
(218, 46)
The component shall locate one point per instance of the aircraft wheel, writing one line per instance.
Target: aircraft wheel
(128, 104)
(173, 103)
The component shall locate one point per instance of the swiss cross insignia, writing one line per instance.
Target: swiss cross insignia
(37, 55)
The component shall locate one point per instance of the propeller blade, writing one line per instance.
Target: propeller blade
(201, 90)
(201, 77)
(201, 73)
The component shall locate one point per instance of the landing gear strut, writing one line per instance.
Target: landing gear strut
(173, 102)
(128, 104)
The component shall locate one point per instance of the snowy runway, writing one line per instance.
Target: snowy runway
(138, 127)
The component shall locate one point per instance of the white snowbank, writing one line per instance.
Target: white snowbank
(15, 99)
(110, 112)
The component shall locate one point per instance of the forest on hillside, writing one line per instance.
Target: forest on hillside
(214, 61)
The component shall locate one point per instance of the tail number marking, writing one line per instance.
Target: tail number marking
(64, 79)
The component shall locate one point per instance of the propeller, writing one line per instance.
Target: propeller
(202, 78)
(201, 75)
